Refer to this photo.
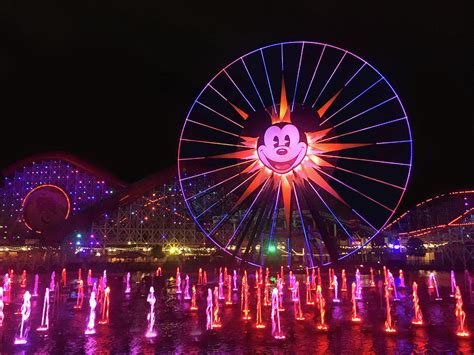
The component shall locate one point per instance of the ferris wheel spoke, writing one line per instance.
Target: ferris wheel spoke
(216, 170)
(213, 143)
(395, 142)
(297, 77)
(214, 128)
(202, 193)
(351, 101)
(240, 91)
(222, 199)
(247, 212)
(275, 212)
(327, 82)
(268, 80)
(314, 74)
(355, 74)
(306, 239)
(364, 160)
(363, 129)
(253, 82)
(355, 190)
(365, 220)
(220, 114)
(364, 112)
(370, 178)
(330, 211)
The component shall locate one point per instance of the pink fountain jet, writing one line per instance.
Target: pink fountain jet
(21, 337)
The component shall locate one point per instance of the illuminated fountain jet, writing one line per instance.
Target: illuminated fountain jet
(313, 280)
(63, 277)
(178, 282)
(2, 305)
(228, 300)
(276, 326)
(80, 295)
(225, 278)
(199, 280)
(204, 278)
(209, 313)
(127, 283)
(418, 316)
(194, 306)
(392, 286)
(187, 296)
(282, 275)
(322, 309)
(45, 315)
(453, 284)
(461, 330)
(280, 295)
(309, 293)
(335, 286)
(245, 301)
(355, 316)
(23, 279)
(402, 279)
(358, 286)
(432, 281)
(235, 281)
(388, 322)
(297, 303)
(216, 321)
(221, 287)
(90, 327)
(344, 281)
(79, 274)
(385, 281)
(151, 299)
(266, 298)
(52, 284)
(21, 337)
(89, 278)
(6, 288)
(35, 288)
(372, 281)
(158, 272)
(105, 307)
(258, 316)
(104, 280)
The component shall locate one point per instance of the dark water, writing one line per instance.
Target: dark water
(183, 331)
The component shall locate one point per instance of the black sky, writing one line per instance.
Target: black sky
(111, 81)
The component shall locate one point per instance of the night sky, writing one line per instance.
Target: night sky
(112, 81)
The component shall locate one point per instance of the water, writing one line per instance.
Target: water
(180, 330)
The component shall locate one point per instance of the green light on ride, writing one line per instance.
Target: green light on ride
(272, 248)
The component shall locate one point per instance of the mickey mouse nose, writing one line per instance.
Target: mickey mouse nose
(281, 151)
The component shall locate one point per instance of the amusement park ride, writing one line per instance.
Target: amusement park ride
(300, 148)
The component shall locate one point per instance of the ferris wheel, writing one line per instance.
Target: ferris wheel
(296, 149)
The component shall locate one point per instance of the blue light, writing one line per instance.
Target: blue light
(78, 235)
(78, 243)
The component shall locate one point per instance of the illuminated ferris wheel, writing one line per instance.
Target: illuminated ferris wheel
(297, 148)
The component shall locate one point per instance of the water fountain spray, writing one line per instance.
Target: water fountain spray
(335, 285)
(89, 278)
(79, 273)
(266, 298)
(90, 327)
(276, 327)
(372, 280)
(158, 272)
(388, 322)
(228, 300)
(313, 280)
(280, 295)
(35, 288)
(235, 281)
(199, 280)
(105, 307)
(392, 286)
(63, 277)
(291, 286)
(2, 304)
(344, 281)
(309, 293)
(385, 281)
(355, 316)
(209, 313)
(282, 275)
(461, 330)
(178, 281)
(187, 296)
(45, 315)
(297, 303)
(258, 316)
(435, 284)
(226, 284)
(193, 300)
(204, 278)
(221, 287)
(127, 283)
(358, 286)
(245, 301)
(331, 279)
(51, 284)
(418, 316)
(453, 284)
(80, 295)
(151, 299)
(23, 279)
(21, 337)
(216, 322)
(402, 279)
(322, 309)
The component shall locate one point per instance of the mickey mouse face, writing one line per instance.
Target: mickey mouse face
(282, 149)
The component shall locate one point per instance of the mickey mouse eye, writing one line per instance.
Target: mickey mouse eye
(277, 141)
(287, 140)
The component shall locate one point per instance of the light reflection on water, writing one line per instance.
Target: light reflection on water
(182, 331)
